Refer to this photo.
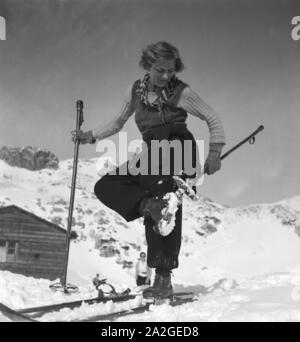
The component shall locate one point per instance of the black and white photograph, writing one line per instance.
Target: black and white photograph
(149, 163)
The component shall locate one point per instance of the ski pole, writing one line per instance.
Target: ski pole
(193, 181)
(250, 138)
(79, 121)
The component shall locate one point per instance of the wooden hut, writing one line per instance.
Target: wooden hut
(30, 245)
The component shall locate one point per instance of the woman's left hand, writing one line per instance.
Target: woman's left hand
(213, 162)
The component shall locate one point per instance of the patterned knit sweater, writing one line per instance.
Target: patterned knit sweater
(188, 100)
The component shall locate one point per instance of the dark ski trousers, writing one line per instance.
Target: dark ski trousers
(123, 194)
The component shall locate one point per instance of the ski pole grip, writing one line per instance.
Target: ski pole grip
(79, 107)
(250, 138)
(259, 129)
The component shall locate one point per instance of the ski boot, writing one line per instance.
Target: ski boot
(162, 212)
(161, 288)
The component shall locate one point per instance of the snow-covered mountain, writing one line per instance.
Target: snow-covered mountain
(222, 248)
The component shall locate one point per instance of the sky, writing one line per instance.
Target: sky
(239, 56)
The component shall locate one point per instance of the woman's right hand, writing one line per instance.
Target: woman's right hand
(83, 137)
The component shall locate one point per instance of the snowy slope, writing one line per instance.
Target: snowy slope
(244, 263)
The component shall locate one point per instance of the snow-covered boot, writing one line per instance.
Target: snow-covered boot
(162, 286)
(152, 207)
(162, 211)
(167, 222)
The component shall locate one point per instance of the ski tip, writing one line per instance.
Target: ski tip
(14, 315)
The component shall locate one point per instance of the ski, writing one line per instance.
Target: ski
(175, 299)
(14, 315)
(41, 310)
(30, 314)
(115, 315)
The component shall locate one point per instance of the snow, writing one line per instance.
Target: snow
(105, 165)
(85, 263)
(166, 226)
(252, 246)
(243, 264)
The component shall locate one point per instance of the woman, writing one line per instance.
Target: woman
(142, 271)
(161, 103)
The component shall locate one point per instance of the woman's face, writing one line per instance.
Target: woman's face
(161, 72)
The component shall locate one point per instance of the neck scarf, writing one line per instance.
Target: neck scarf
(163, 93)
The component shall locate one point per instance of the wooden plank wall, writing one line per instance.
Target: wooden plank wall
(41, 246)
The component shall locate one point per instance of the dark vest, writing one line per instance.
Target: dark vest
(149, 118)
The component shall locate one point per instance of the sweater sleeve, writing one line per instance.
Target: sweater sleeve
(191, 102)
(115, 125)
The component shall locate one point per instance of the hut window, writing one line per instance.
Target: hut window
(2, 251)
(9, 251)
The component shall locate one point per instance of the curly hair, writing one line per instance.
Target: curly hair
(152, 52)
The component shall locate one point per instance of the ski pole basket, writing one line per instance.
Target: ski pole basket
(67, 289)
